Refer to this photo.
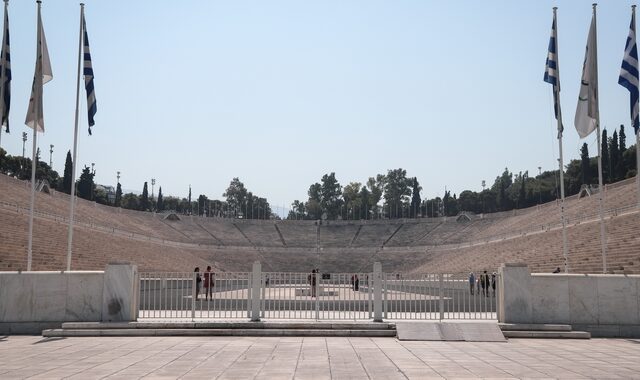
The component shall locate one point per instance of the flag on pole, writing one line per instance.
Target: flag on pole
(88, 77)
(5, 67)
(552, 72)
(43, 71)
(587, 111)
(629, 71)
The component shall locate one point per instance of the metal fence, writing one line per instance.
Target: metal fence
(317, 296)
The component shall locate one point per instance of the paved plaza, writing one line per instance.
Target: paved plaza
(35, 357)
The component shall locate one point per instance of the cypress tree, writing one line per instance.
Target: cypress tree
(604, 151)
(585, 164)
(144, 198)
(118, 200)
(67, 180)
(623, 140)
(614, 157)
(160, 202)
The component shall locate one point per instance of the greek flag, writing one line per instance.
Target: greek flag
(42, 75)
(587, 111)
(88, 78)
(5, 66)
(552, 72)
(629, 71)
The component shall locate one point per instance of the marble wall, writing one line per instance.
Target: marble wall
(576, 299)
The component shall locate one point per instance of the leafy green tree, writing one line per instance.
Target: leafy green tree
(501, 185)
(396, 192)
(100, 196)
(203, 202)
(365, 199)
(85, 184)
(313, 207)
(415, 198)
(236, 195)
(375, 185)
(160, 201)
(623, 140)
(604, 150)
(331, 199)
(118, 200)
(297, 211)
(352, 201)
(450, 204)
(468, 201)
(144, 198)
(130, 201)
(66, 179)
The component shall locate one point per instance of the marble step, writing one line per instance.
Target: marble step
(297, 325)
(216, 332)
(548, 334)
(533, 327)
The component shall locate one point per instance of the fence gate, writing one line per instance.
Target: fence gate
(316, 296)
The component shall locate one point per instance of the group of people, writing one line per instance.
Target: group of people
(485, 282)
(209, 280)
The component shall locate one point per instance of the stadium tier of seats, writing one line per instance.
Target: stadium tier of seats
(161, 241)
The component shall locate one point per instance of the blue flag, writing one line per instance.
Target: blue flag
(552, 72)
(88, 78)
(5, 66)
(629, 71)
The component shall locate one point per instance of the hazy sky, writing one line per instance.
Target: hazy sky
(279, 93)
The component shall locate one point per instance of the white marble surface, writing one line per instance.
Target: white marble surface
(515, 301)
(119, 293)
(617, 300)
(50, 296)
(550, 298)
(583, 299)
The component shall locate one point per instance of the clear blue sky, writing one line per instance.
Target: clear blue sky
(279, 93)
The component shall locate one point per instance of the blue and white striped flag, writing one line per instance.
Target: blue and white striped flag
(88, 78)
(552, 72)
(5, 66)
(629, 71)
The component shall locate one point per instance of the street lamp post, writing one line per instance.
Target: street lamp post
(24, 140)
(51, 156)
(153, 182)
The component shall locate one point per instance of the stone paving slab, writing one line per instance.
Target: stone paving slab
(450, 331)
(313, 358)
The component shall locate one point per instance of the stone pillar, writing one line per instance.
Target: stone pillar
(377, 292)
(256, 283)
(514, 297)
(120, 293)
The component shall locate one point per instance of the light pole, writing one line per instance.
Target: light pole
(483, 185)
(24, 140)
(153, 182)
(118, 176)
(539, 187)
(51, 156)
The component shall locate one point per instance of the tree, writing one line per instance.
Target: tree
(85, 184)
(585, 164)
(297, 211)
(189, 208)
(236, 195)
(202, 205)
(415, 198)
(66, 179)
(604, 150)
(118, 200)
(614, 157)
(331, 192)
(375, 186)
(160, 201)
(131, 201)
(144, 198)
(365, 198)
(313, 207)
(522, 192)
(501, 185)
(623, 140)
(352, 201)
(396, 192)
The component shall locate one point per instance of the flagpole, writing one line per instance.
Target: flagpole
(75, 146)
(603, 236)
(633, 17)
(37, 106)
(556, 90)
(4, 69)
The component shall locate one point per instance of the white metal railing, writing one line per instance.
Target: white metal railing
(329, 296)
(439, 296)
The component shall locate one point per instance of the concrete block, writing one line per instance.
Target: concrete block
(84, 297)
(617, 300)
(583, 299)
(550, 298)
(16, 297)
(50, 296)
(119, 297)
(515, 296)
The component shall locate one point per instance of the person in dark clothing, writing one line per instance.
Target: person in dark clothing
(198, 281)
(484, 283)
(356, 285)
(312, 278)
(557, 270)
(493, 283)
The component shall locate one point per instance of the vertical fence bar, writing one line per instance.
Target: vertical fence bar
(441, 295)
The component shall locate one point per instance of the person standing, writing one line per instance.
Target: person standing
(472, 282)
(484, 282)
(209, 282)
(493, 283)
(198, 281)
